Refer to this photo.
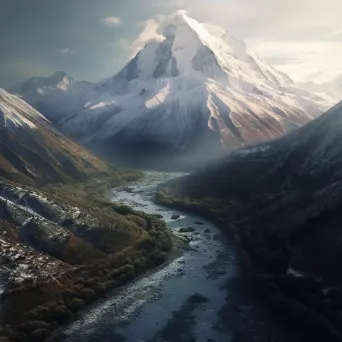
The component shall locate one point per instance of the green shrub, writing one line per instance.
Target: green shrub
(39, 335)
(100, 289)
(87, 294)
(77, 304)
(145, 243)
(125, 269)
(140, 221)
(123, 209)
(141, 264)
(60, 314)
(110, 285)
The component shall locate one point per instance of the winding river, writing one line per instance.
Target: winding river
(197, 296)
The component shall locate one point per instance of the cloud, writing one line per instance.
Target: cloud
(253, 17)
(111, 21)
(66, 51)
(149, 33)
(319, 62)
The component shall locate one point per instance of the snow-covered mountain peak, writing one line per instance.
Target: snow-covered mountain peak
(193, 89)
(186, 47)
(49, 94)
(60, 81)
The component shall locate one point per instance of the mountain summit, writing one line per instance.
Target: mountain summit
(184, 46)
(49, 94)
(191, 92)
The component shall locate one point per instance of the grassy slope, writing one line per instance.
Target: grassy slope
(109, 245)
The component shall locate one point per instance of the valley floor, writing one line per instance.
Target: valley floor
(197, 296)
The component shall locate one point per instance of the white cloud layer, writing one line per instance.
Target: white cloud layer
(111, 21)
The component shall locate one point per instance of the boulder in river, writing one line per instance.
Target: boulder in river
(175, 217)
(199, 223)
(198, 298)
(186, 230)
(207, 231)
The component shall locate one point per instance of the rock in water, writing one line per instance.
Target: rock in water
(198, 298)
(186, 230)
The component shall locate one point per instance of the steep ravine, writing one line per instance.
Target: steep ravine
(197, 296)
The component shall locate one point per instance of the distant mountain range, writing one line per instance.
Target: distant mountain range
(331, 91)
(307, 160)
(32, 150)
(193, 93)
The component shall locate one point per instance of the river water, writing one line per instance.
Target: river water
(195, 297)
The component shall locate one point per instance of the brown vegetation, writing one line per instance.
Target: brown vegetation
(107, 245)
(35, 310)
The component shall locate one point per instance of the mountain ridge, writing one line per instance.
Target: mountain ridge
(280, 201)
(33, 150)
(194, 75)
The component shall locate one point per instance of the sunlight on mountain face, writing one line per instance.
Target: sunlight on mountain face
(192, 87)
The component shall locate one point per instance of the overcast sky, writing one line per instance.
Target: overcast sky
(93, 39)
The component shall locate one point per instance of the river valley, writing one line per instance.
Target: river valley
(196, 296)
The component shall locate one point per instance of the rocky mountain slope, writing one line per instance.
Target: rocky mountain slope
(193, 90)
(282, 201)
(62, 244)
(285, 182)
(307, 159)
(62, 247)
(32, 150)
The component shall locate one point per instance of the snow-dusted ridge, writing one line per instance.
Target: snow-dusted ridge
(191, 91)
(33, 149)
(16, 112)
